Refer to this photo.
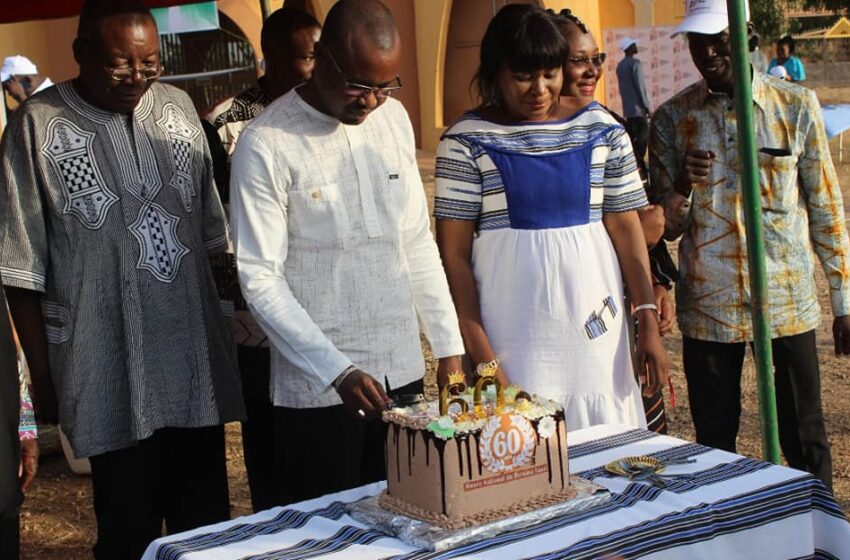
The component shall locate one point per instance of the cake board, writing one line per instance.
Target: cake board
(428, 536)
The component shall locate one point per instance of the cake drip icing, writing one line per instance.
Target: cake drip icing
(502, 466)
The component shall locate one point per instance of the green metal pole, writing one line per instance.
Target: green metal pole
(748, 160)
(265, 8)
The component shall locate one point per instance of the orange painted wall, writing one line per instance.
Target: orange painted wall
(616, 13)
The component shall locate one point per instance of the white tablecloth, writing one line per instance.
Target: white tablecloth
(730, 507)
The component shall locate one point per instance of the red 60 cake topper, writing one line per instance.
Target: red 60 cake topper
(507, 442)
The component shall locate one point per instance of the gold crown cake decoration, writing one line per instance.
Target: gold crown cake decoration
(457, 378)
(455, 386)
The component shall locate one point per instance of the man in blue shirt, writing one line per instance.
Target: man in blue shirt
(635, 100)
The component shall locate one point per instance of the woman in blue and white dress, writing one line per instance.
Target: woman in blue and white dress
(537, 227)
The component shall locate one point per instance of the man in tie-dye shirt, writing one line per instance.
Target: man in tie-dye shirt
(695, 164)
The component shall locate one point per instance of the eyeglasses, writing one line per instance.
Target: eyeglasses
(353, 89)
(147, 72)
(597, 60)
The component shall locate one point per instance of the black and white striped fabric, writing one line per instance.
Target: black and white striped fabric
(724, 506)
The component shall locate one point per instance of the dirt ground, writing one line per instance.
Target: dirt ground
(57, 521)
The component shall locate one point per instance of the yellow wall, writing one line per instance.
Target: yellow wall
(247, 16)
(669, 12)
(432, 26)
(617, 13)
(48, 43)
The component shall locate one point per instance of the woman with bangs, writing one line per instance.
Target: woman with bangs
(537, 228)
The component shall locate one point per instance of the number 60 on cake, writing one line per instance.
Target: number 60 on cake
(477, 455)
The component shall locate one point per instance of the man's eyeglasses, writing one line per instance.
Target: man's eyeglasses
(147, 72)
(597, 60)
(353, 89)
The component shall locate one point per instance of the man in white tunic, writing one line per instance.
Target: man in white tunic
(335, 255)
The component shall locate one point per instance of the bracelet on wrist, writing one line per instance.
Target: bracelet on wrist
(485, 369)
(341, 377)
(645, 306)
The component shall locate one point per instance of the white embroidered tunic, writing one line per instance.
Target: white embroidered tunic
(111, 217)
(334, 249)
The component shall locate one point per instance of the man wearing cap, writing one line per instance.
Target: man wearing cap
(693, 149)
(635, 99)
(21, 79)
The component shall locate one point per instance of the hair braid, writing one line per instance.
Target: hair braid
(567, 14)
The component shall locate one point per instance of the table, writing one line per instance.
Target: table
(729, 507)
(836, 120)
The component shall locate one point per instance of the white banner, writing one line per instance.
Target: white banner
(666, 62)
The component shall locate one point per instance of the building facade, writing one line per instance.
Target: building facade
(441, 41)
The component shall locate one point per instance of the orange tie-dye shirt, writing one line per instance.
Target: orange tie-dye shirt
(802, 208)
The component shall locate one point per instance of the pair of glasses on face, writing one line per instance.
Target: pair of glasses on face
(596, 60)
(353, 89)
(146, 72)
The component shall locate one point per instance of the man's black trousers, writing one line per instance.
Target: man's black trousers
(177, 476)
(713, 370)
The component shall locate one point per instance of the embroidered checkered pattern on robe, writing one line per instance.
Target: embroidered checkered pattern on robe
(111, 217)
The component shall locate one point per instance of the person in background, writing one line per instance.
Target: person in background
(288, 40)
(757, 57)
(785, 57)
(11, 494)
(537, 226)
(109, 216)
(27, 429)
(696, 170)
(336, 258)
(582, 85)
(21, 79)
(635, 99)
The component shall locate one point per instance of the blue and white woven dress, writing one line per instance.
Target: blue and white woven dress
(549, 283)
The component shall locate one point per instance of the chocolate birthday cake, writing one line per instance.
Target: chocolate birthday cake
(477, 455)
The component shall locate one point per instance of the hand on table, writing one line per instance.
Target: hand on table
(362, 395)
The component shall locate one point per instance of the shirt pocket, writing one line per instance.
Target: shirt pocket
(395, 193)
(392, 189)
(318, 213)
(778, 183)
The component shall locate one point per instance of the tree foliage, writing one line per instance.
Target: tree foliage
(768, 18)
(837, 6)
